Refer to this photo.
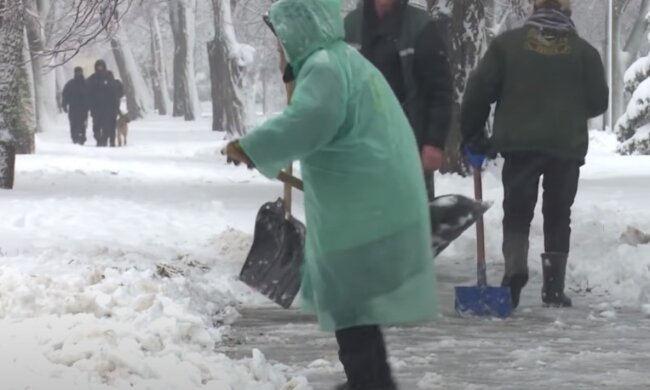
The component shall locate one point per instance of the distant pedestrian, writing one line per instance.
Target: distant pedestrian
(118, 93)
(103, 97)
(75, 104)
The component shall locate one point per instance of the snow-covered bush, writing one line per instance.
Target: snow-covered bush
(631, 128)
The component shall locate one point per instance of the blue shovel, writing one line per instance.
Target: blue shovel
(482, 300)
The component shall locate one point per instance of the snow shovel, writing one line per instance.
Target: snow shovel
(274, 261)
(275, 258)
(482, 300)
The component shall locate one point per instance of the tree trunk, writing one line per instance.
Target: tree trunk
(186, 96)
(60, 80)
(138, 98)
(7, 165)
(265, 91)
(467, 38)
(226, 69)
(44, 79)
(16, 107)
(162, 101)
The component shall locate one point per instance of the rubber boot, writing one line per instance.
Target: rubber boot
(515, 253)
(364, 358)
(554, 269)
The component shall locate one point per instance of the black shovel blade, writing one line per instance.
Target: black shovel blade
(274, 261)
(451, 215)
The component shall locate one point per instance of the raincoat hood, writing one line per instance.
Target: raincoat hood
(305, 26)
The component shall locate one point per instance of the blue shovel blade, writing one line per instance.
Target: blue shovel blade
(484, 301)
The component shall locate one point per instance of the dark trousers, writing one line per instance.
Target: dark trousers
(430, 184)
(78, 125)
(104, 130)
(111, 130)
(362, 352)
(521, 176)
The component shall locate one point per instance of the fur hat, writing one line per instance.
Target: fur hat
(562, 5)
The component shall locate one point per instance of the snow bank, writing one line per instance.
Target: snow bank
(118, 267)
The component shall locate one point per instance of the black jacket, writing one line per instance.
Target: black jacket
(104, 95)
(75, 98)
(407, 47)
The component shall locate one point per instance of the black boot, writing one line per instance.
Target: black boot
(554, 268)
(515, 253)
(363, 354)
(516, 284)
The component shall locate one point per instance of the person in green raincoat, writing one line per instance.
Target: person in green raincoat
(368, 257)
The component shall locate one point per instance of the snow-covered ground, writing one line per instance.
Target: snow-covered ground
(117, 266)
(118, 271)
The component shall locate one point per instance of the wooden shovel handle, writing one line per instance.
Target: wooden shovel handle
(288, 197)
(291, 181)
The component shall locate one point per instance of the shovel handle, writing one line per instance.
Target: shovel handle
(480, 232)
(288, 193)
(290, 180)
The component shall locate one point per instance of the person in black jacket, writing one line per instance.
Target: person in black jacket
(118, 93)
(547, 82)
(407, 46)
(102, 98)
(76, 105)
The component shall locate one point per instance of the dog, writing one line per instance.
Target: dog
(122, 128)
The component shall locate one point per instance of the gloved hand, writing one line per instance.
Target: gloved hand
(236, 155)
(476, 160)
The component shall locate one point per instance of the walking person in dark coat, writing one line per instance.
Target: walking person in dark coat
(404, 43)
(547, 82)
(102, 95)
(118, 93)
(75, 103)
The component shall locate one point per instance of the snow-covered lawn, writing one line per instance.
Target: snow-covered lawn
(118, 266)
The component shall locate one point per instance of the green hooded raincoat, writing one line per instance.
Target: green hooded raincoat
(368, 247)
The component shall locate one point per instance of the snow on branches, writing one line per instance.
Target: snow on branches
(631, 128)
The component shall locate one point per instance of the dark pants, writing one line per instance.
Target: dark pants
(111, 130)
(78, 125)
(521, 176)
(104, 129)
(430, 184)
(362, 352)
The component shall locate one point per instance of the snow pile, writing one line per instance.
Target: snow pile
(117, 319)
(118, 267)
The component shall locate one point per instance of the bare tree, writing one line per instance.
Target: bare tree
(228, 59)
(186, 97)
(44, 78)
(16, 133)
(466, 33)
(158, 71)
(138, 96)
